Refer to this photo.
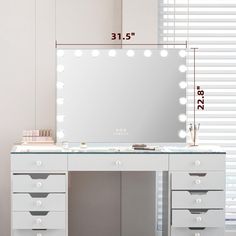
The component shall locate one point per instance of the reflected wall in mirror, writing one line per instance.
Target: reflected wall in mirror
(133, 96)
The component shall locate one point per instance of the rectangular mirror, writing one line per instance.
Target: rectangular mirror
(131, 96)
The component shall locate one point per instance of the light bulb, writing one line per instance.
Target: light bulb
(183, 85)
(60, 118)
(78, 53)
(130, 53)
(60, 53)
(183, 101)
(60, 134)
(147, 53)
(182, 53)
(182, 134)
(164, 53)
(60, 68)
(112, 53)
(182, 117)
(60, 85)
(182, 68)
(95, 53)
(60, 101)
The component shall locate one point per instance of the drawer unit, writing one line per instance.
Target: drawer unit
(26, 184)
(197, 181)
(21, 232)
(194, 200)
(185, 218)
(39, 162)
(117, 162)
(38, 202)
(197, 232)
(25, 220)
(197, 162)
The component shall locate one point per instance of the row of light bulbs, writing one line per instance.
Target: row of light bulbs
(113, 53)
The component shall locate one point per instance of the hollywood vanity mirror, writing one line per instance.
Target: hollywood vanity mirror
(118, 96)
(126, 96)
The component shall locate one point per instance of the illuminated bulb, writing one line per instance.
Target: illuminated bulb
(183, 85)
(182, 53)
(95, 53)
(78, 53)
(60, 53)
(183, 101)
(147, 53)
(60, 85)
(60, 134)
(60, 101)
(112, 53)
(182, 117)
(60, 68)
(164, 53)
(182, 68)
(130, 53)
(60, 118)
(182, 134)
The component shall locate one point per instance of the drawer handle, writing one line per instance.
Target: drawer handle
(39, 221)
(197, 163)
(198, 200)
(197, 234)
(39, 184)
(198, 219)
(198, 181)
(38, 163)
(39, 203)
(118, 163)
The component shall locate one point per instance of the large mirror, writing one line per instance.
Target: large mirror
(128, 96)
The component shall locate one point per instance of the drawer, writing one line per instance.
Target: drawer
(39, 162)
(27, 184)
(192, 200)
(196, 181)
(117, 162)
(185, 218)
(38, 202)
(195, 162)
(197, 232)
(39, 233)
(24, 220)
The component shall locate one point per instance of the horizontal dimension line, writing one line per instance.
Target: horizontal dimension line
(92, 44)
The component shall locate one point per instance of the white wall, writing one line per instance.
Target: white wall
(27, 77)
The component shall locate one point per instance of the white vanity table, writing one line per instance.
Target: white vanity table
(194, 199)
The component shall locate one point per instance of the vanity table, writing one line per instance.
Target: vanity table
(194, 199)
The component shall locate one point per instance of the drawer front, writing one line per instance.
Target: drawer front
(190, 181)
(211, 218)
(194, 200)
(26, 202)
(117, 162)
(39, 162)
(195, 162)
(197, 232)
(25, 184)
(39, 233)
(24, 220)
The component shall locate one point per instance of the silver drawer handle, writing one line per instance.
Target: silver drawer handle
(198, 219)
(118, 163)
(39, 163)
(197, 234)
(198, 181)
(39, 184)
(197, 163)
(39, 203)
(198, 200)
(39, 221)
(39, 234)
